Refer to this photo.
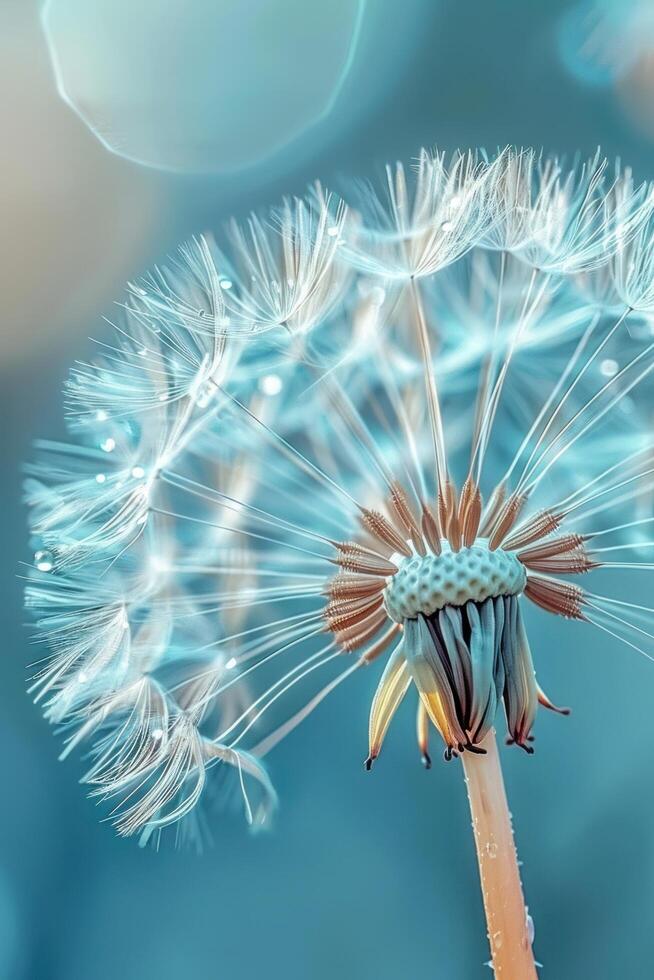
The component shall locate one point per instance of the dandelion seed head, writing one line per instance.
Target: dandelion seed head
(347, 435)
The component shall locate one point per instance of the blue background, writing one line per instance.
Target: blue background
(365, 875)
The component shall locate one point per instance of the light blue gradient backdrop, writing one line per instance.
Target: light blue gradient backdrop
(366, 876)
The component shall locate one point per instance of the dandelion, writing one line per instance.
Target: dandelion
(458, 435)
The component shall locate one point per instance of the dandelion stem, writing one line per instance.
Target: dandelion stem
(504, 904)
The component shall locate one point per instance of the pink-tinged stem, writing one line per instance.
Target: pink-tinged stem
(506, 915)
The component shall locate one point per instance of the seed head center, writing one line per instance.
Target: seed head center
(427, 584)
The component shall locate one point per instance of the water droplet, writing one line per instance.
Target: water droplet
(333, 231)
(108, 444)
(270, 384)
(101, 415)
(82, 677)
(491, 848)
(138, 472)
(497, 940)
(447, 226)
(143, 352)
(100, 478)
(609, 367)
(203, 395)
(231, 663)
(44, 561)
(163, 397)
(531, 928)
(157, 734)
(225, 283)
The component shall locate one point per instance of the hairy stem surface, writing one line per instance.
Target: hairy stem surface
(504, 904)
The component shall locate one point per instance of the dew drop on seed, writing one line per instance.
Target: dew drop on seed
(44, 561)
(531, 928)
(203, 395)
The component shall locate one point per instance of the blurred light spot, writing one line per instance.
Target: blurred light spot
(212, 86)
(636, 91)
(599, 40)
(271, 384)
